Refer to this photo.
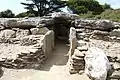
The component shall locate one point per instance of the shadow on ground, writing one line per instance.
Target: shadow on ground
(57, 57)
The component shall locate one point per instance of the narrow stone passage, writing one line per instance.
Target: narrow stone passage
(53, 69)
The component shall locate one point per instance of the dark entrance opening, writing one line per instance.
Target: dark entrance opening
(61, 29)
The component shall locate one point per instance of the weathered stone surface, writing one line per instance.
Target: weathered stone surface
(45, 22)
(32, 36)
(83, 48)
(20, 33)
(76, 62)
(48, 42)
(6, 35)
(104, 25)
(15, 56)
(10, 23)
(116, 65)
(115, 32)
(23, 48)
(34, 31)
(31, 40)
(103, 33)
(93, 58)
(73, 41)
(77, 58)
(2, 27)
(78, 53)
(82, 45)
(115, 75)
(23, 24)
(64, 15)
(39, 31)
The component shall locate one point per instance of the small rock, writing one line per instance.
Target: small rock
(83, 48)
(86, 39)
(22, 33)
(116, 65)
(115, 75)
(33, 50)
(77, 58)
(25, 52)
(78, 53)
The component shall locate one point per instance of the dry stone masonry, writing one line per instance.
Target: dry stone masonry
(27, 42)
(24, 45)
(103, 35)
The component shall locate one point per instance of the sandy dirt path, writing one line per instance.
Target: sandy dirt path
(54, 68)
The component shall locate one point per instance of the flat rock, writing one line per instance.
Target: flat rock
(78, 53)
(39, 31)
(20, 33)
(83, 48)
(6, 35)
(115, 75)
(104, 25)
(77, 58)
(82, 43)
(23, 24)
(115, 32)
(116, 65)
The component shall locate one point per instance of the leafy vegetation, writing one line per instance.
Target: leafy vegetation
(25, 14)
(84, 8)
(43, 7)
(89, 14)
(7, 14)
(113, 15)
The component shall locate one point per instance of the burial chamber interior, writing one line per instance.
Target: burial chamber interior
(61, 29)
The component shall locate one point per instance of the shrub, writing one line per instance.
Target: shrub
(113, 15)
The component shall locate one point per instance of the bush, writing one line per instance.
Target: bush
(7, 14)
(25, 14)
(113, 15)
(82, 6)
(87, 15)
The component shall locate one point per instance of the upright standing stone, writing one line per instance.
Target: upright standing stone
(73, 41)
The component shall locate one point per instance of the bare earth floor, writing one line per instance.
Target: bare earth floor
(53, 69)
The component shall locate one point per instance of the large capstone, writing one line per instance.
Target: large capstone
(23, 24)
(104, 25)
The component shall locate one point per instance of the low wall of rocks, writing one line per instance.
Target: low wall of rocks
(24, 41)
(23, 44)
(28, 42)
(102, 34)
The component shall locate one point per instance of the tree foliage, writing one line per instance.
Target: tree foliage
(43, 7)
(113, 15)
(83, 6)
(7, 14)
(106, 6)
(25, 14)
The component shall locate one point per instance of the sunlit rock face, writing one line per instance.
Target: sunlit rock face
(27, 42)
(97, 64)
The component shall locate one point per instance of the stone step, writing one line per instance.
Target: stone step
(77, 61)
(80, 30)
(77, 58)
(78, 64)
(82, 42)
(73, 71)
(78, 53)
(83, 48)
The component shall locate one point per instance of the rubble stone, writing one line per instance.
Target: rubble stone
(93, 58)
